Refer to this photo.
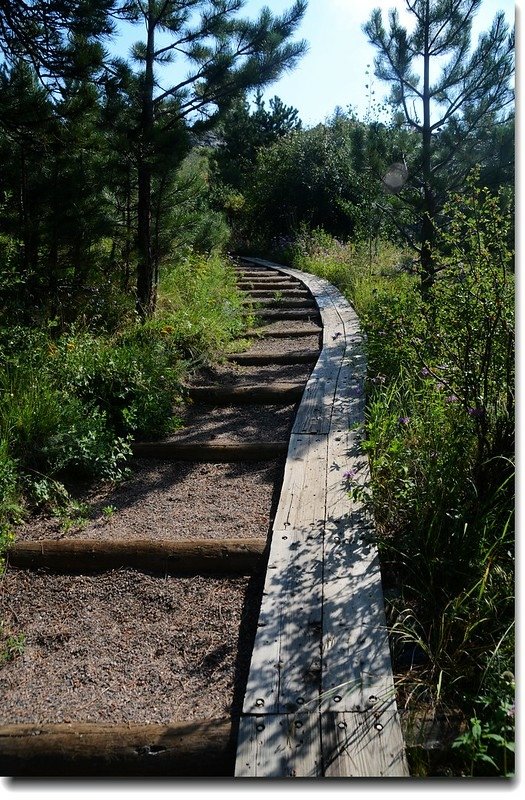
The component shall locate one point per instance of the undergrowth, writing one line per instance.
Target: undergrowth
(439, 434)
(72, 398)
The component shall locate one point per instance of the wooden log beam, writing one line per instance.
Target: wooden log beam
(268, 286)
(253, 359)
(211, 452)
(268, 294)
(284, 393)
(271, 302)
(285, 333)
(181, 749)
(188, 557)
(272, 315)
(271, 277)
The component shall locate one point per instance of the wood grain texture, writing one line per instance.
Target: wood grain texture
(272, 392)
(303, 493)
(194, 557)
(322, 642)
(181, 749)
(279, 746)
(365, 745)
(210, 452)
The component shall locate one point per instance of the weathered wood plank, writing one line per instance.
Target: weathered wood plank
(276, 392)
(355, 654)
(351, 677)
(367, 745)
(314, 414)
(303, 494)
(267, 294)
(279, 746)
(286, 660)
(194, 557)
(210, 452)
(195, 749)
(250, 359)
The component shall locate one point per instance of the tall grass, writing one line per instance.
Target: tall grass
(71, 401)
(438, 432)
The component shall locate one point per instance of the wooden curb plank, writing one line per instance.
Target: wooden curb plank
(285, 333)
(266, 294)
(253, 359)
(322, 643)
(272, 315)
(285, 393)
(193, 557)
(272, 303)
(181, 749)
(210, 452)
(279, 746)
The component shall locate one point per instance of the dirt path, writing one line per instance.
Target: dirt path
(124, 646)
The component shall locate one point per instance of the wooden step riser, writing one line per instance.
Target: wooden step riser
(272, 304)
(292, 294)
(180, 749)
(222, 557)
(270, 286)
(256, 394)
(204, 749)
(286, 333)
(277, 315)
(269, 359)
(275, 278)
(204, 452)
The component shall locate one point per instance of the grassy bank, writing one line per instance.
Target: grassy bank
(73, 398)
(439, 433)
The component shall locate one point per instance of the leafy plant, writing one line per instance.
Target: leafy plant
(488, 745)
(11, 645)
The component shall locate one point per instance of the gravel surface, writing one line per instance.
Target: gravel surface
(172, 501)
(278, 346)
(124, 647)
(235, 423)
(237, 375)
(128, 647)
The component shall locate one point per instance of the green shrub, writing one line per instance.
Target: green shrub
(439, 433)
(71, 402)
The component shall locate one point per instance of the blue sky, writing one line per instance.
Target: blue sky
(334, 71)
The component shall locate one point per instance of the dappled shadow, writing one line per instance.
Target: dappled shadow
(321, 664)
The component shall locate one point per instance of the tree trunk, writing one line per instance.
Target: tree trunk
(146, 272)
(427, 225)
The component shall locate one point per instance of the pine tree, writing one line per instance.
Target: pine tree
(61, 39)
(227, 56)
(470, 87)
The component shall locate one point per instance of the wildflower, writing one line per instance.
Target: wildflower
(476, 412)
(404, 420)
(425, 372)
(349, 474)
(451, 399)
